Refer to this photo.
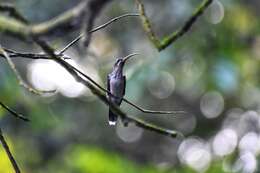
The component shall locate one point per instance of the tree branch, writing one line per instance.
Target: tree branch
(14, 113)
(67, 21)
(14, 54)
(96, 29)
(171, 38)
(8, 152)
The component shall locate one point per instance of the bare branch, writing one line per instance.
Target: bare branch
(171, 38)
(96, 29)
(67, 21)
(15, 54)
(152, 111)
(8, 152)
(14, 113)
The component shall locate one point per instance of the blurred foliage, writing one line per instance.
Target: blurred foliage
(212, 73)
(83, 159)
(4, 162)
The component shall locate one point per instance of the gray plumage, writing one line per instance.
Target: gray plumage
(116, 83)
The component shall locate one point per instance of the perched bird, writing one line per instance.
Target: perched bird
(116, 83)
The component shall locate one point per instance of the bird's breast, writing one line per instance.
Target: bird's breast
(117, 86)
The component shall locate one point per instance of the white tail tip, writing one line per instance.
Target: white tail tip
(112, 123)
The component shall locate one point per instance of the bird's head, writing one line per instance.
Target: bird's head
(120, 62)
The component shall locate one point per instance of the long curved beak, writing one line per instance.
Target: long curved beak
(129, 56)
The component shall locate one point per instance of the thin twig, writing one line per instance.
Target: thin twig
(152, 111)
(14, 113)
(14, 54)
(89, 15)
(96, 29)
(168, 40)
(19, 78)
(8, 152)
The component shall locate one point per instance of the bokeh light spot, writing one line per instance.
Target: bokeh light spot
(250, 142)
(216, 12)
(247, 163)
(212, 104)
(225, 142)
(129, 133)
(161, 84)
(195, 153)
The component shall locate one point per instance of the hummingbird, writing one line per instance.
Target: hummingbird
(116, 84)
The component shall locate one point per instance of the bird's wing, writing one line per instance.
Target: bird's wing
(124, 81)
(108, 83)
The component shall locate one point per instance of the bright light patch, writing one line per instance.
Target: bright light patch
(195, 153)
(225, 142)
(250, 142)
(247, 163)
(49, 75)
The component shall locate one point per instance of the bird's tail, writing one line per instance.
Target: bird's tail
(112, 118)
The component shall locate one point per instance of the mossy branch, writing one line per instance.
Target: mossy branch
(171, 38)
(65, 22)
